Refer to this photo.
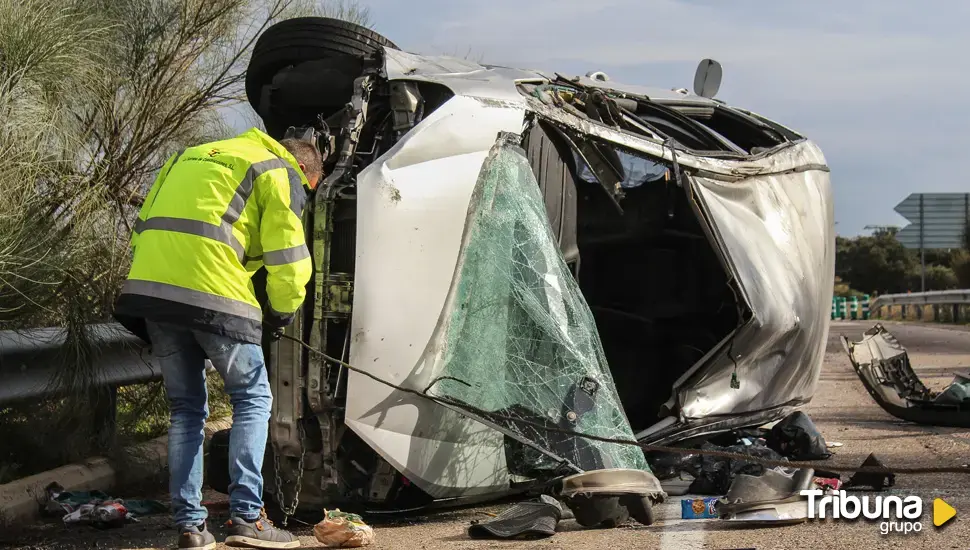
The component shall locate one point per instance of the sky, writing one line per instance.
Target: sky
(876, 83)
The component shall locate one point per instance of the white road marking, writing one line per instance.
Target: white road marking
(680, 533)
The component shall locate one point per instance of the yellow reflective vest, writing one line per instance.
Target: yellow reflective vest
(214, 215)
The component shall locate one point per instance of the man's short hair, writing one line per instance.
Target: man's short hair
(306, 154)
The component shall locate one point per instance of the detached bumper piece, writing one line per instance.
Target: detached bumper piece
(773, 498)
(883, 366)
(608, 498)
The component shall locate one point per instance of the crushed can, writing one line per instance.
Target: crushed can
(698, 508)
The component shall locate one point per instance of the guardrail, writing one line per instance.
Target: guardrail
(945, 306)
(29, 361)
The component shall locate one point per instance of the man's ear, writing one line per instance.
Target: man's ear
(302, 167)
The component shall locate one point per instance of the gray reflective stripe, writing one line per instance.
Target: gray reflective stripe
(286, 256)
(253, 259)
(193, 298)
(245, 188)
(221, 233)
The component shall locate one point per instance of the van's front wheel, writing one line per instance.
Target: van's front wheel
(330, 49)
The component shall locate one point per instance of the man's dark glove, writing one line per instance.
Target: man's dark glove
(275, 323)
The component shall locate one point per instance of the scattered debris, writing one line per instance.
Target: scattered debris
(833, 444)
(793, 438)
(343, 530)
(679, 484)
(97, 508)
(103, 516)
(698, 508)
(773, 497)
(827, 483)
(709, 475)
(61, 502)
(878, 482)
(883, 366)
(525, 520)
(717, 474)
(797, 438)
(670, 465)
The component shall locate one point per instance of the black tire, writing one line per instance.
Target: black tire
(640, 508)
(217, 463)
(295, 41)
(598, 512)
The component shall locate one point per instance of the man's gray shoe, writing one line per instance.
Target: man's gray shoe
(259, 533)
(196, 538)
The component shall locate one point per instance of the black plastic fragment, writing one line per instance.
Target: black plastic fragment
(878, 482)
(528, 520)
(797, 438)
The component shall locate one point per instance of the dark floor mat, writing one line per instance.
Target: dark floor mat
(532, 519)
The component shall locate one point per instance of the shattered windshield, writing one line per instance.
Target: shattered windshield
(518, 342)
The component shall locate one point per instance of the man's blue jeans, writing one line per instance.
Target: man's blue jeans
(181, 353)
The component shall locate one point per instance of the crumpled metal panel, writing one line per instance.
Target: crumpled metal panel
(461, 76)
(773, 219)
(465, 77)
(777, 232)
(412, 205)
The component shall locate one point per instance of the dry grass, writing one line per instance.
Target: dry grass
(60, 431)
(94, 96)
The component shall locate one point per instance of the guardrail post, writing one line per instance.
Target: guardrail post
(956, 313)
(865, 307)
(854, 314)
(104, 416)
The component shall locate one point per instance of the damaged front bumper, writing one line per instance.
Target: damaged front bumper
(883, 366)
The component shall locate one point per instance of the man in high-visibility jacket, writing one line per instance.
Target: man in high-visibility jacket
(214, 215)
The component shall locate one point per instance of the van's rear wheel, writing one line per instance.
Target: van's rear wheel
(295, 41)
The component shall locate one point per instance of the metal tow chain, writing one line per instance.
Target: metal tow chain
(291, 510)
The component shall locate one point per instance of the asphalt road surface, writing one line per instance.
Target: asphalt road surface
(841, 409)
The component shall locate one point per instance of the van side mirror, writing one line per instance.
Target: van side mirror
(707, 79)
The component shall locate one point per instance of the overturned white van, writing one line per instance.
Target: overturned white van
(541, 255)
